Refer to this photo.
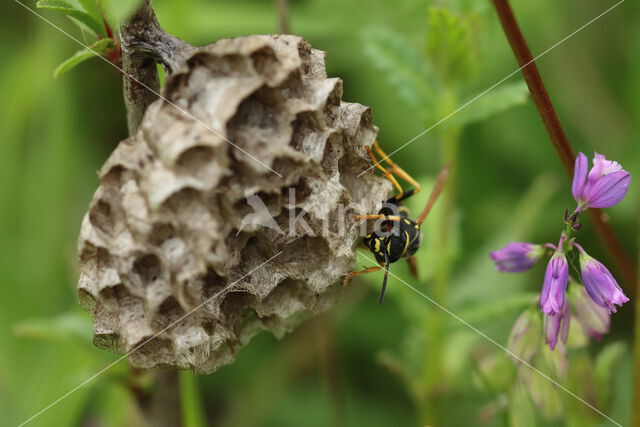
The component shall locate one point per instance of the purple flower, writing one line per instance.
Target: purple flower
(517, 256)
(599, 283)
(557, 324)
(605, 185)
(555, 283)
(594, 319)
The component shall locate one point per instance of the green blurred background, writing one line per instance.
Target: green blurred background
(406, 362)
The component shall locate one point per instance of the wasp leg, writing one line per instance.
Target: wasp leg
(357, 273)
(395, 169)
(385, 217)
(387, 174)
(413, 266)
(435, 193)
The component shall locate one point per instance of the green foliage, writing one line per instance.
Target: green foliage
(88, 19)
(606, 362)
(507, 305)
(100, 47)
(372, 364)
(431, 83)
(86, 14)
(496, 101)
(91, 7)
(71, 328)
(545, 395)
(522, 413)
(402, 65)
(117, 11)
(476, 305)
(449, 46)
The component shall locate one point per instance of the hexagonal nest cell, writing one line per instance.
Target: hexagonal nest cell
(165, 248)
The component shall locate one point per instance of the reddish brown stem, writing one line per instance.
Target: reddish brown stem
(108, 28)
(559, 139)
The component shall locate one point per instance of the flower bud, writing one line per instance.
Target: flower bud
(557, 325)
(555, 284)
(524, 339)
(600, 284)
(593, 318)
(517, 256)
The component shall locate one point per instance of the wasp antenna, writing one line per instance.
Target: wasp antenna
(440, 182)
(384, 281)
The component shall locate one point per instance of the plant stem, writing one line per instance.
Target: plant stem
(559, 139)
(144, 45)
(435, 321)
(282, 7)
(328, 359)
(163, 408)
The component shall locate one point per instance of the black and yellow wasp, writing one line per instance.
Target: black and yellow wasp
(398, 236)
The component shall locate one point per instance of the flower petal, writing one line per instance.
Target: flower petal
(552, 297)
(603, 167)
(557, 325)
(608, 190)
(579, 176)
(524, 339)
(566, 319)
(593, 318)
(517, 256)
(600, 284)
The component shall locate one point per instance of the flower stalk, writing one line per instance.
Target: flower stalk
(559, 139)
(604, 185)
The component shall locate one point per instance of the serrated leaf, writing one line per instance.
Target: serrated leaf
(70, 10)
(491, 103)
(401, 64)
(98, 48)
(449, 47)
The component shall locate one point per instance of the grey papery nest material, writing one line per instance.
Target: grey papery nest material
(165, 231)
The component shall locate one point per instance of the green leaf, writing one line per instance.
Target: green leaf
(73, 327)
(98, 48)
(118, 11)
(449, 47)
(73, 12)
(91, 7)
(491, 103)
(401, 64)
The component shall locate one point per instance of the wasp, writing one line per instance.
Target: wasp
(398, 237)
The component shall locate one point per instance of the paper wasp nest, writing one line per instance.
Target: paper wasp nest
(175, 224)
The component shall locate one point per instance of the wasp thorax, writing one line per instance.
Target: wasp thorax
(170, 229)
